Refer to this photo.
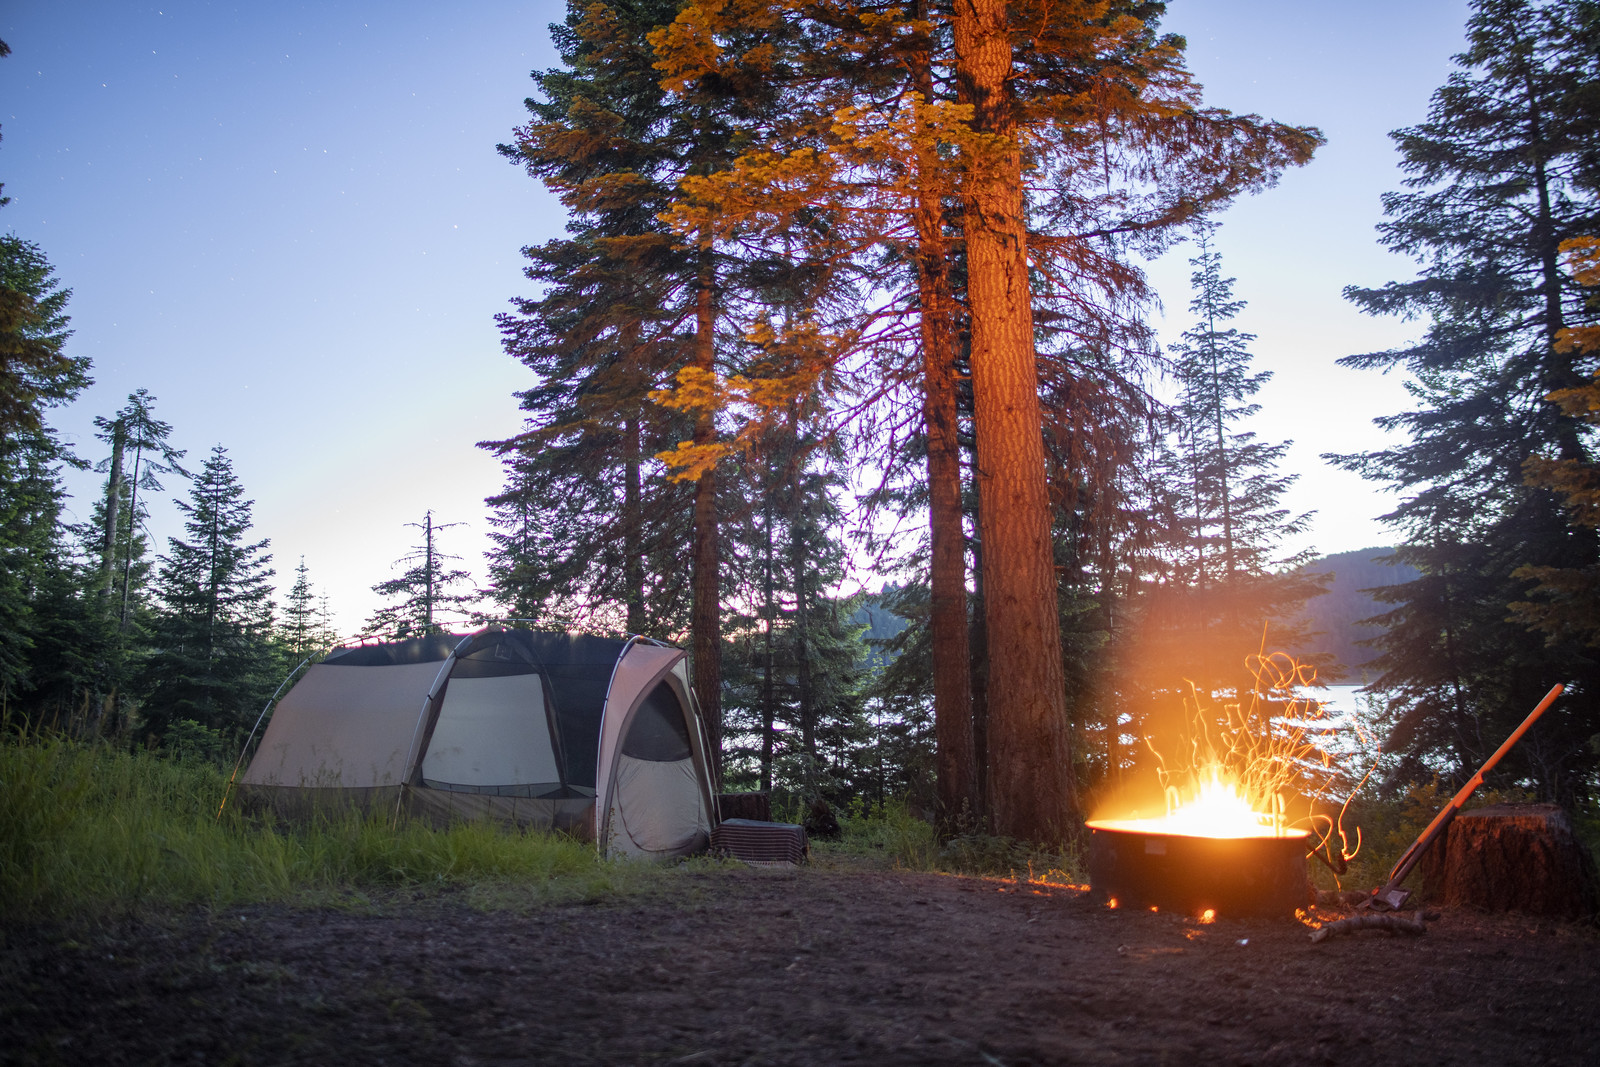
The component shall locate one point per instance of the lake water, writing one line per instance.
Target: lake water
(1338, 699)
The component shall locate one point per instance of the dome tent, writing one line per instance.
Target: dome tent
(591, 735)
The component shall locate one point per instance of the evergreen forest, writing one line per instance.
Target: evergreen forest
(842, 378)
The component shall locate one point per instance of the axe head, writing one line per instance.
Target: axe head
(1388, 898)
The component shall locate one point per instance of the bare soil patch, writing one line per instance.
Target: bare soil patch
(726, 966)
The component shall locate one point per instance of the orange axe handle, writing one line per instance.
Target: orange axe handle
(1442, 820)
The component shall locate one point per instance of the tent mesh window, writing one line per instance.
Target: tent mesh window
(494, 736)
(658, 733)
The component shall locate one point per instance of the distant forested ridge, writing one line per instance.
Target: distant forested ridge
(1335, 619)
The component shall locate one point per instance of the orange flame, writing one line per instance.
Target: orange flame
(1244, 759)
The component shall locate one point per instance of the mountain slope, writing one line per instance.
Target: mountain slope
(1338, 612)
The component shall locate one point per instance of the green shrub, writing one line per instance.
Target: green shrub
(895, 836)
(187, 739)
(890, 834)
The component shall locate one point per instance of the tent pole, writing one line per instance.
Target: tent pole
(422, 718)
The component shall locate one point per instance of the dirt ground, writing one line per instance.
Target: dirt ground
(731, 966)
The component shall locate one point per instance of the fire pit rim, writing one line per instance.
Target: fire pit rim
(1124, 826)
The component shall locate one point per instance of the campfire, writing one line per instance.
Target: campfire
(1225, 844)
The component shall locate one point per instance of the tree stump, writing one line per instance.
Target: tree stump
(1513, 857)
(821, 822)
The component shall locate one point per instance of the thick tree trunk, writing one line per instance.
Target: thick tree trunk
(802, 622)
(705, 622)
(956, 773)
(1512, 857)
(1031, 789)
(108, 533)
(632, 523)
(133, 519)
(770, 613)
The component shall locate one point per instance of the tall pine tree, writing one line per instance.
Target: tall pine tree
(426, 597)
(212, 661)
(1112, 127)
(1230, 586)
(1506, 166)
(36, 373)
(140, 455)
(588, 530)
(305, 630)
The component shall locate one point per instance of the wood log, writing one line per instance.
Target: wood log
(1394, 924)
(1513, 857)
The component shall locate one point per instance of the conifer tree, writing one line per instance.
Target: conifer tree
(627, 306)
(426, 591)
(1102, 101)
(110, 637)
(586, 520)
(75, 657)
(30, 552)
(1228, 577)
(36, 373)
(212, 661)
(305, 630)
(801, 177)
(1565, 604)
(1501, 172)
(796, 665)
(140, 455)
(1109, 514)
(1209, 593)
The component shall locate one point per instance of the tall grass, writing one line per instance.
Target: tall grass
(86, 830)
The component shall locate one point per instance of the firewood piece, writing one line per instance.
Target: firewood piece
(1513, 857)
(1395, 924)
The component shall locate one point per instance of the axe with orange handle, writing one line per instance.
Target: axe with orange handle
(1390, 895)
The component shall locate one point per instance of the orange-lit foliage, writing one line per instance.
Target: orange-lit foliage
(1111, 126)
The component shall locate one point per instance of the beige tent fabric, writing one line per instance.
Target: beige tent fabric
(657, 810)
(492, 732)
(343, 727)
(623, 826)
(699, 747)
(640, 667)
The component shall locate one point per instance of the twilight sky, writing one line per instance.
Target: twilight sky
(288, 222)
